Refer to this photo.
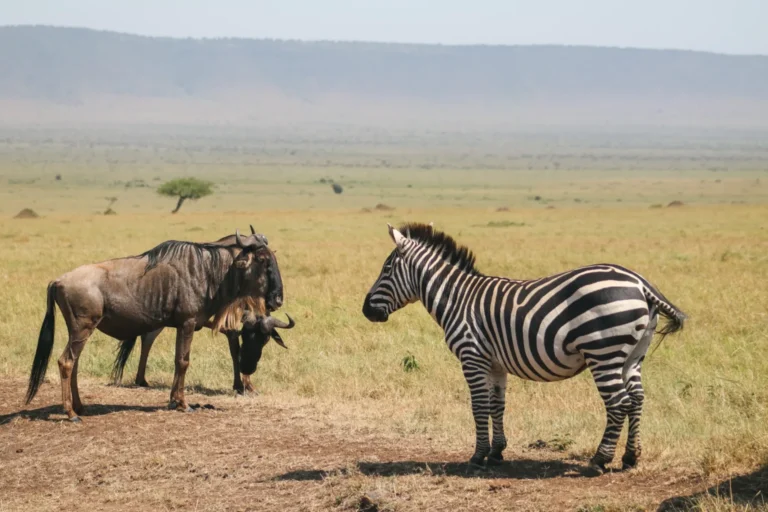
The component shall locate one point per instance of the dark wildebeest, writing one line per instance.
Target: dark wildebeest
(253, 306)
(176, 284)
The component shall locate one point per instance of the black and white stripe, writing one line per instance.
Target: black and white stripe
(600, 317)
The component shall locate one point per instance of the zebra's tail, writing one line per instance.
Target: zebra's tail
(674, 315)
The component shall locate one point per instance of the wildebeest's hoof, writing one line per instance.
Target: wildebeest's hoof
(173, 405)
(142, 383)
(76, 420)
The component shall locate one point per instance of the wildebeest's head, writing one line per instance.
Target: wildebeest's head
(253, 263)
(274, 292)
(255, 334)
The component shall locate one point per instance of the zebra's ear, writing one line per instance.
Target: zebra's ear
(396, 236)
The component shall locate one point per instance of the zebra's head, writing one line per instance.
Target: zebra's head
(395, 286)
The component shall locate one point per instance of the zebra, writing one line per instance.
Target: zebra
(602, 317)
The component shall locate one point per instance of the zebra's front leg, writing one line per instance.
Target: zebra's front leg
(479, 390)
(617, 405)
(498, 383)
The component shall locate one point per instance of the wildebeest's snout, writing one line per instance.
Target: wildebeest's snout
(373, 313)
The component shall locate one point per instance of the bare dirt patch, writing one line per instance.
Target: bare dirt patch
(264, 454)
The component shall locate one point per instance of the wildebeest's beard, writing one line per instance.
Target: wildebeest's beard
(274, 284)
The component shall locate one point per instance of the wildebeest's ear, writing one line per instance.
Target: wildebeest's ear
(243, 260)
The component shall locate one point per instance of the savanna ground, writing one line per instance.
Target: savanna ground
(341, 423)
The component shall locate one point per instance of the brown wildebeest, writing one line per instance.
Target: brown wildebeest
(176, 284)
(252, 306)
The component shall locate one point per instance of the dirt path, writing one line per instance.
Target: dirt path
(253, 454)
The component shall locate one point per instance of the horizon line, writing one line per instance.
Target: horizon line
(383, 43)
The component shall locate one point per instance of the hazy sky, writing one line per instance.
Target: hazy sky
(735, 26)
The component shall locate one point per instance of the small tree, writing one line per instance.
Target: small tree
(185, 188)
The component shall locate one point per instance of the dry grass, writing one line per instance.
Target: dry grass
(707, 400)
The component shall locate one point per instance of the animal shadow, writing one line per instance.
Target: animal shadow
(519, 469)
(55, 412)
(198, 389)
(750, 490)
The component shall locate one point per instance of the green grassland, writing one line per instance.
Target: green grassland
(707, 388)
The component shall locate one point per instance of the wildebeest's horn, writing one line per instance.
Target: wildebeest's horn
(269, 323)
(276, 336)
(253, 231)
(254, 241)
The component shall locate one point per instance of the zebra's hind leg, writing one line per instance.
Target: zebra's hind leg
(477, 378)
(634, 387)
(498, 381)
(607, 375)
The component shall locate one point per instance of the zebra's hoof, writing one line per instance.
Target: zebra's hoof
(495, 459)
(477, 461)
(597, 465)
(595, 469)
(628, 461)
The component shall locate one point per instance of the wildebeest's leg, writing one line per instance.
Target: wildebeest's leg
(68, 370)
(477, 376)
(77, 405)
(247, 384)
(234, 350)
(498, 383)
(184, 336)
(634, 387)
(610, 385)
(146, 345)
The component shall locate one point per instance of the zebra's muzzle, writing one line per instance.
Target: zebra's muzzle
(373, 313)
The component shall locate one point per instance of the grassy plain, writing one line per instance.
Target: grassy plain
(707, 388)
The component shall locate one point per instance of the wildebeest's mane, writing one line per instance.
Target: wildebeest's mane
(175, 250)
(449, 249)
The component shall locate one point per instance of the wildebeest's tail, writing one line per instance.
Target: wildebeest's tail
(44, 345)
(124, 349)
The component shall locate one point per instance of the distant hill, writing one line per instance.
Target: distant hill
(70, 75)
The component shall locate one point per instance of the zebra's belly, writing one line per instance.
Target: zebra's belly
(541, 363)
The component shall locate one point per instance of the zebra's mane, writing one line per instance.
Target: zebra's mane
(449, 249)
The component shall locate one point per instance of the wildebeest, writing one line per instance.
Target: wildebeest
(248, 309)
(176, 284)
